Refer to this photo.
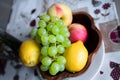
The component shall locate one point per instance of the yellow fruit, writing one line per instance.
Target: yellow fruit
(29, 53)
(76, 56)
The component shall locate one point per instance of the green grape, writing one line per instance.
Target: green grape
(45, 17)
(44, 38)
(41, 31)
(44, 68)
(66, 43)
(67, 34)
(52, 39)
(60, 23)
(62, 68)
(49, 26)
(61, 60)
(60, 49)
(52, 51)
(44, 51)
(38, 38)
(59, 38)
(46, 61)
(54, 19)
(54, 68)
(42, 23)
(64, 31)
(41, 57)
(55, 30)
(33, 31)
(45, 43)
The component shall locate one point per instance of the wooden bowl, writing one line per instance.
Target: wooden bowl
(92, 44)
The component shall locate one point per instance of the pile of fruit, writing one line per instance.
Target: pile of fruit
(57, 44)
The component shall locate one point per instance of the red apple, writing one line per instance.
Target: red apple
(78, 32)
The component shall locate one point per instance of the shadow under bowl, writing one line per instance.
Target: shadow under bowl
(92, 44)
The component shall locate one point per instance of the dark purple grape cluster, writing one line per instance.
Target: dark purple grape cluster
(115, 35)
(118, 29)
(16, 77)
(106, 5)
(3, 64)
(97, 11)
(115, 73)
(113, 64)
(33, 23)
(101, 72)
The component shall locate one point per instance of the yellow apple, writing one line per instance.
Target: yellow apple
(62, 11)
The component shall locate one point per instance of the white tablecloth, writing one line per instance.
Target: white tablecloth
(103, 12)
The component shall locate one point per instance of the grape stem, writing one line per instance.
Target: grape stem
(55, 44)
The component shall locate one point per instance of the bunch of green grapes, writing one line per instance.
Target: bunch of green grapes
(53, 36)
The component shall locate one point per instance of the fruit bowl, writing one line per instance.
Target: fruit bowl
(92, 44)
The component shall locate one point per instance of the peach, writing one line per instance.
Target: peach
(61, 11)
(78, 32)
